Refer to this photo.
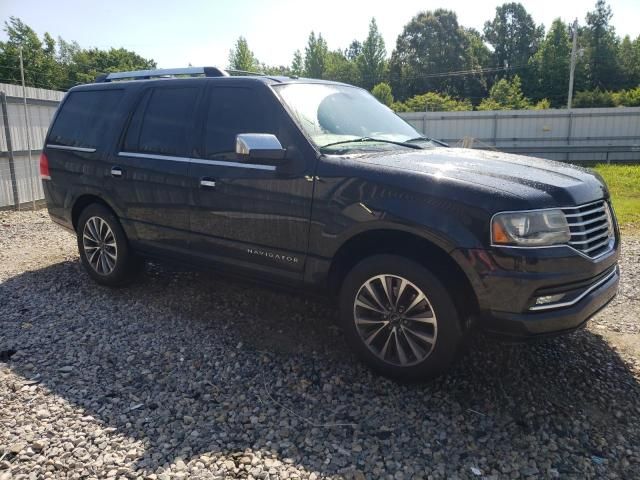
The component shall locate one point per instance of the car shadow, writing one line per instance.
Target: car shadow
(191, 364)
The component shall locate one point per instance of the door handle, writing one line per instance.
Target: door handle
(116, 172)
(207, 182)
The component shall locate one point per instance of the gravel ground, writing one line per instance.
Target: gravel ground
(185, 375)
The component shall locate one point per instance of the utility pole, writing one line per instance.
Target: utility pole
(28, 125)
(574, 53)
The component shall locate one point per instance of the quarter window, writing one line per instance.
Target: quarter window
(85, 116)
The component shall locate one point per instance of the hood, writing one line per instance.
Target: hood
(541, 183)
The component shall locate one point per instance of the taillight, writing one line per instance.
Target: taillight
(44, 167)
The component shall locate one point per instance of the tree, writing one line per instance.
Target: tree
(629, 62)
(40, 66)
(478, 57)
(371, 61)
(382, 91)
(430, 46)
(242, 58)
(514, 37)
(297, 65)
(551, 64)
(315, 56)
(338, 68)
(600, 49)
(354, 50)
(432, 102)
(86, 65)
(593, 99)
(506, 95)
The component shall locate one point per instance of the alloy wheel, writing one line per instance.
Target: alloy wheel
(395, 320)
(100, 246)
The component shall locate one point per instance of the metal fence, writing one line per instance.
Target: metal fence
(20, 184)
(577, 135)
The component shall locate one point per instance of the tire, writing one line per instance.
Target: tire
(104, 248)
(427, 331)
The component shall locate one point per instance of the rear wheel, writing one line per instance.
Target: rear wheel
(399, 317)
(104, 249)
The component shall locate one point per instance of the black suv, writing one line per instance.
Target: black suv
(316, 184)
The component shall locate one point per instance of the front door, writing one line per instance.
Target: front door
(251, 216)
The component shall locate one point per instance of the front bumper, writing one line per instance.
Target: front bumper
(554, 321)
(508, 282)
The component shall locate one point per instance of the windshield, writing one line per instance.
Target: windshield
(335, 115)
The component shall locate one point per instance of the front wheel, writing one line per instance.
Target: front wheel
(399, 317)
(104, 249)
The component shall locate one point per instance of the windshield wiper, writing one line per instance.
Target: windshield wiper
(370, 139)
(426, 139)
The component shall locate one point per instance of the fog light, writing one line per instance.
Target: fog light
(549, 299)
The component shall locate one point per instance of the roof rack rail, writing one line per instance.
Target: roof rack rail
(162, 72)
(245, 72)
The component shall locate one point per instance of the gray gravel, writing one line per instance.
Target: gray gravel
(187, 375)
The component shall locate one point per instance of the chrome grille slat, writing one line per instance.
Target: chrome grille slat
(595, 247)
(591, 230)
(583, 214)
(587, 222)
(590, 240)
(590, 236)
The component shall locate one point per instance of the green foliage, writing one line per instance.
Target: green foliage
(629, 61)
(513, 35)
(372, 58)
(627, 98)
(297, 65)
(543, 104)
(600, 60)
(315, 56)
(593, 98)
(382, 92)
(432, 102)
(338, 68)
(551, 64)
(624, 185)
(242, 58)
(431, 45)
(506, 95)
(59, 65)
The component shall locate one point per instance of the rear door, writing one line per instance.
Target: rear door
(252, 216)
(150, 171)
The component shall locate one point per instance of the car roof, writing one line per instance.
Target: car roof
(235, 79)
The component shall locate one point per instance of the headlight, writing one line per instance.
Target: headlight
(530, 229)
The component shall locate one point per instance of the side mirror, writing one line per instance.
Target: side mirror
(259, 146)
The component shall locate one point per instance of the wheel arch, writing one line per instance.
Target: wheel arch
(408, 245)
(82, 202)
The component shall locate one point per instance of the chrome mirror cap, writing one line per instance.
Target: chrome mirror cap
(259, 146)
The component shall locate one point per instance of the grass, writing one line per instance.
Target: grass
(624, 185)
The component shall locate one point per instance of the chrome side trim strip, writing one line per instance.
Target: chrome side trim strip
(71, 149)
(220, 163)
(579, 297)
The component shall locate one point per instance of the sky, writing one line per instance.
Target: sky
(201, 32)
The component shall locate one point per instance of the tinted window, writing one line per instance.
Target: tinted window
(163, 122)
(85, 116)
(231, 111)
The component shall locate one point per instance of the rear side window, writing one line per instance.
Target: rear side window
(84, 118)
(230, 111)
(163, 122)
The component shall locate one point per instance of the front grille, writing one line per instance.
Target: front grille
(591, 228)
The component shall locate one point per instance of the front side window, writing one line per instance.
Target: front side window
(231, 111)
(335, 115)
(163, 122)
(84, 117)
